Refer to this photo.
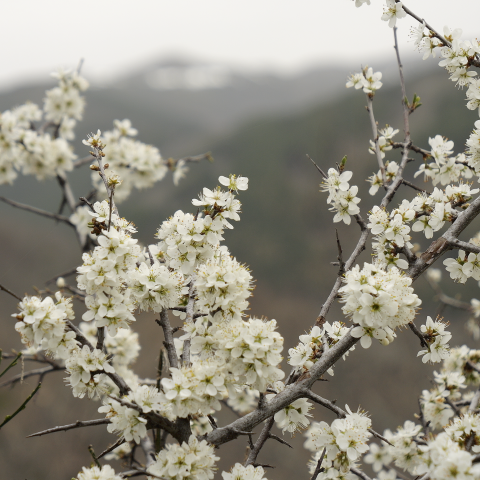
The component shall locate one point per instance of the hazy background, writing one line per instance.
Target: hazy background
(259, 84)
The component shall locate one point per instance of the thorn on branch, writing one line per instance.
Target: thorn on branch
(84, 200)
(119, 442)
(381, 437)
(278, 439)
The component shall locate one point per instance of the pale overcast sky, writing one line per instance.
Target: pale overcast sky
(118, 36)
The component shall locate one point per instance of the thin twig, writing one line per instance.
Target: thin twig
(326, 403)
(318, 468)
(324, 175)
(32, 373)
(447, 300)
(421, 20)
(466, 246)
(38, 211)
(77, 424)
(5, 289)
(412, 185)
(84, 200)
(262, 438)
(95, 458)
(12, 364)
(419, 334)
(72, 271)
(406, 110)
(82, 161)
(119, 442)
(136, 472)
(452, 406)
(360, 247)
(79, 335)
(22, 406)
(373, 123)
(360, 474)
(338, 411)
(278, 439)
(341, 263)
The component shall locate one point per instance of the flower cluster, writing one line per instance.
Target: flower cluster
(391, 232)
(125, 421)
(294, 416)
(443, 457)
(64, 101)
(105, 273)
(429, 214)
(155, 287)
(192, 460)
(252, 351)
(445, 169)
(195, 389)
(249, 350)
(187, 241)
(376, 181)
(223, 286)
(239, 472)
(124, 347)
(473, 149)
(379, 301)
(392, 11)
(85, 367)
(313, 344)
(436, 338)
(403, 449)
(463, 267)
(344, 441)
(369, 81)
(42, 324)
(106, 472)
(341, 196)
(138, 164)
(37, 151)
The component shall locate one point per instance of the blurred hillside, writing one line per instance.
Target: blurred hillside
(262, 128)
